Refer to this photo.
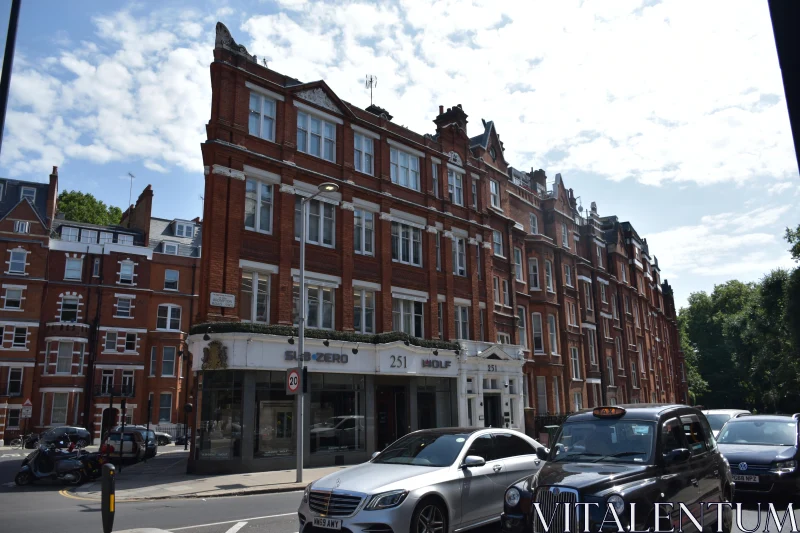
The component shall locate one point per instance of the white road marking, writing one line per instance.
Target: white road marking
(237, 527)
(233, 521)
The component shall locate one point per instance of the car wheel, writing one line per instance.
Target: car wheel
(727, 514)
(429, 517)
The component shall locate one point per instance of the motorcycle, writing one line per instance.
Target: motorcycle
(50, 463)
(93, 462)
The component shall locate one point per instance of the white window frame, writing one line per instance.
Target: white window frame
(77, 307)
(15, 331)
(541, 395)
(32, 193)
(177, 279)
(497, 243)
(59, 421)
(503, 338)
(12, 261)
(573, 314)
(257, 105)
(361, 218)
(459, 256)
(19, 381)
(564, 235)
(320, 299)
(261, 194)
(321, 221)
(537, 324)
(603, 293)
(618, 348)
(22, 226)
(498, 299)
(70, 234)
(462, 322)
(67, 269)
(577, 398)
(533, 274)
(6, 298)
(184, 229)
(588, 293)
(164, 352)
(160, 418)
(475, 194)
(360, 308)
(324, 137)
(610, 371)
(256, 279)
(455, 186)
(407, 308)
(534, 224)
(614, 310)
(170, 248)
(435, 178)
(522, 326)
(634, 376)
(600, 257)
(96, 268)
(575, 361)
(409, 244)
(69, 359)
(518, 272)
(106, 237)
(170, 308)
(364, 154)
(88, 236)
(112, 338)
(125, 239)
(568, 276)
(129, 305)
(406, 176)
(506, 294)
(128, 341)
(592, 346)
(606, 329)
(548, 276)
(124, 279)
(552, 333)
(494, 193)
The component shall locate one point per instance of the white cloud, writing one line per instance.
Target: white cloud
(154, 166)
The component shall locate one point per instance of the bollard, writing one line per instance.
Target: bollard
(107, 503)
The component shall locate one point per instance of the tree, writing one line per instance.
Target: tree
(83, 207)
(793, 237)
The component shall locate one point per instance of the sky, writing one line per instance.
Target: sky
(669, 114)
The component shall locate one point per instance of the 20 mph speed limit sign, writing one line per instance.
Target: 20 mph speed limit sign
(293, 381)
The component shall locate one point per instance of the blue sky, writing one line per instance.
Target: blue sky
(670, 114)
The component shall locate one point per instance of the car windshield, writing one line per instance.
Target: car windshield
(605, 440)
(759, 432)
(425, 449)
(718, 420)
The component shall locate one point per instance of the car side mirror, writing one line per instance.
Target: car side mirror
(542, 453)
(473, 461)
(681, 455)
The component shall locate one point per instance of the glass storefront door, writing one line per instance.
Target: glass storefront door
(392, 414)
(274, 416)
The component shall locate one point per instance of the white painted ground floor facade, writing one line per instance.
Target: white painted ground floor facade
(354, 404)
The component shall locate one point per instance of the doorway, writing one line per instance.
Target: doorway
(392, 415)
(492, 410)
(108, 422)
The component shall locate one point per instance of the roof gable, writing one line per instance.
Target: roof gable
(496, 353)
(24, 210)
(319, 94)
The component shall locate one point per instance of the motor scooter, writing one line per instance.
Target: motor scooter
(49, 463)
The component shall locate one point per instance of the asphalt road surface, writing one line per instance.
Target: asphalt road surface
(44, 509)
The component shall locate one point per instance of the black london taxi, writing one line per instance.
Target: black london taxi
(617, 456)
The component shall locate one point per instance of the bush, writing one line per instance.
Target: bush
(289, 331)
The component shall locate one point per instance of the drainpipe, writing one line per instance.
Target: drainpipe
(92, 356)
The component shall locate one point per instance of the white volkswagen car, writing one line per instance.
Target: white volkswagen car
(430, 481)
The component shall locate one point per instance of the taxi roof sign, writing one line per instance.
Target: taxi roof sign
(608, 412)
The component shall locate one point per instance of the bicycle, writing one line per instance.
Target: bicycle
(20, 441)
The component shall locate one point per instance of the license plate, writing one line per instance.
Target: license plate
(327, 523)
(746, 479)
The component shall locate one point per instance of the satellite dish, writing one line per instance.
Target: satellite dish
(580, 209)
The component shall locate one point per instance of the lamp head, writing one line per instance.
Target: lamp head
(435, 351)
(326, 342)
(206, 337)
(406, 342)
(328, 187)
(291, 340)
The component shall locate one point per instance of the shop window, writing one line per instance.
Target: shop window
(338, 410)
(434, 403)
(220, 431)
(275, 410)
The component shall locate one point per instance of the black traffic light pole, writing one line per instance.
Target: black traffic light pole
(8, 62)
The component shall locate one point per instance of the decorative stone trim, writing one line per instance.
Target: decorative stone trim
(287, 188)
(347, 206)
(225, 171)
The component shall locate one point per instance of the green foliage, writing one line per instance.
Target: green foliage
(792, 236)
(744, 342)
(287, 331)
(83, 207)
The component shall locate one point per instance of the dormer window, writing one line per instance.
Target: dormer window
(69, 234)
(170, 248)
(28, 192)
(125, 239)
(184, 230)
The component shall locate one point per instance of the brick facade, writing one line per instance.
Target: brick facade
(272, 139)
(91, 297)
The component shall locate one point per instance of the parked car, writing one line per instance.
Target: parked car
(763, 453)
(150, 437)
(453, 477)
(68, 434)
(337, 433)
(624, 455)
(132, 442)
(718, 417)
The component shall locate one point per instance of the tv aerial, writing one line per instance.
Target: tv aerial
(370, 83)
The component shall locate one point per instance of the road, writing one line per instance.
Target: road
(44, 509)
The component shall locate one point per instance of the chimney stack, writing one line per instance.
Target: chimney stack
(52, 197)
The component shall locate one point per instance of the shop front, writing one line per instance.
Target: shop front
(359, 399)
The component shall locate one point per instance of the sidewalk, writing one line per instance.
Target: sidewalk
(164, 477)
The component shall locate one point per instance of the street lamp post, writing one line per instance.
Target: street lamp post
(301, 329)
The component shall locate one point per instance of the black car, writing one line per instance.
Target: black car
(623, 455)
(762, 451)
(67, 434)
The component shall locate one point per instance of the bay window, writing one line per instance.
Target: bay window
(64, 358)
(576, 363)
(518, 265)
(363, 232)
(319, 306)
(364, 153)
(592, 346)
(404, 169)
(169, 317)
(568, 275)
(320, 222)
(548, 276)
(533, 273)
(587, 291)
(254, 297)
(363, 311)
(258, 202)
(534, 224)
(538, 336)
(407, 317)
(552, 332)
(316, 137)
(406, 244)
(497, 240)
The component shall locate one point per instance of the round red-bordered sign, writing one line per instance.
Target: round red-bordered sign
(293, 380)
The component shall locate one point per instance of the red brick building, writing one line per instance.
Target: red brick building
(434, 236)
(106, 310)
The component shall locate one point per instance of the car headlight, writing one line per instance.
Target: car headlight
(386, 500)
(306, 492)
(784, 467)
(512, 497)
(618, 503)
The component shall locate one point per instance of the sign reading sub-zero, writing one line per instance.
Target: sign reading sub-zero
(435, 363)
(335, 358)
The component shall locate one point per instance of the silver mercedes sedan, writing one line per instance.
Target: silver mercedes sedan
(430, 481)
